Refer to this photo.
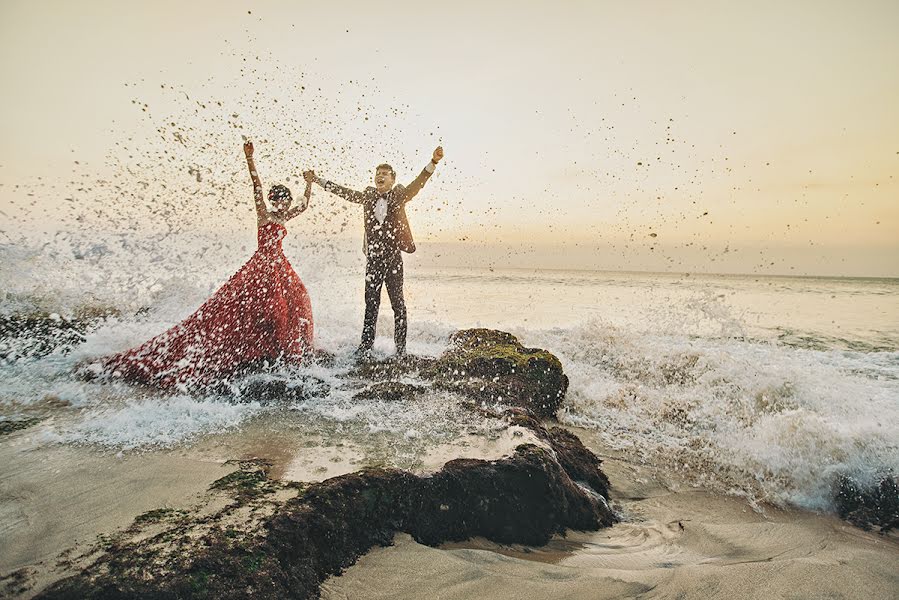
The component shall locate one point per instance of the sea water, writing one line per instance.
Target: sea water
(766, 387)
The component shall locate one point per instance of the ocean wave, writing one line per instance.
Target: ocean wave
(683, 379)
(772, 422)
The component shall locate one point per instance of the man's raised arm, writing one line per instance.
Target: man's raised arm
(419, 182)
(336, 189)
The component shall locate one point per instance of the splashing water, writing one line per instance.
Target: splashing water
(761, 386)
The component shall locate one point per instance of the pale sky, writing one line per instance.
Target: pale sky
(690, 136)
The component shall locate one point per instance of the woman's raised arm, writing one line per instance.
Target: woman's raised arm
(258, 194)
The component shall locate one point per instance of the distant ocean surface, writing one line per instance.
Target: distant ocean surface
(765, 387)
(812, 312)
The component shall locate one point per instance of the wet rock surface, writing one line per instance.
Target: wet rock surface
(485, 365)
(869, 507)
(581, 464)
(268, 389)
(10, 425)
(391, 391)
(38, 334)
(492, 366)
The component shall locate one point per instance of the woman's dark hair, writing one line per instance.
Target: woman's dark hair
(279, 192)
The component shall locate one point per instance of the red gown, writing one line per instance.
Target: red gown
(262, 313)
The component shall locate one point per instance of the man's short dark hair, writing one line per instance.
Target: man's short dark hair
(387, 167)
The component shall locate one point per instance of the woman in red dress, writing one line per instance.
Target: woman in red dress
(261, 314)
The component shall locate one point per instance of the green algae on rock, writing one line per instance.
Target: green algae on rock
(493, 366)
(277, 540)
(10, 425)
(390, 391)
(485, 365)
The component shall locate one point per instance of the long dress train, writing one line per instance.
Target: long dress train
(262, 313)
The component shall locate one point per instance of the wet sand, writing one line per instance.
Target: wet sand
(56, 502)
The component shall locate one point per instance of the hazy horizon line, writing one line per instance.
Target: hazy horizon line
(648, 272)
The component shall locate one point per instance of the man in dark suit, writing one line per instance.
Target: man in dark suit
(387, 236)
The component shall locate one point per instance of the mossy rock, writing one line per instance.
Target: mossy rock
(267, 389)
(390, 391)
(11, 425)
(390, 369)
(493, 366)
(36, 334)
(250, 479)
(155, 516)
(525, 498)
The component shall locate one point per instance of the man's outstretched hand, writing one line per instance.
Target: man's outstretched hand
(438, 155)
(309, 176)
(248, 148)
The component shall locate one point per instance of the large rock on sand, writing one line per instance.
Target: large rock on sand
(875, 506)
(523, 498)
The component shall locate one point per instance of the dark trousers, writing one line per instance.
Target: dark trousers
(384, 270)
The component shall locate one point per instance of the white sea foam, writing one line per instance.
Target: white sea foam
(776, 423)
(153, 422)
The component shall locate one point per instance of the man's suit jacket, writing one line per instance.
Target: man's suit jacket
(394, 232)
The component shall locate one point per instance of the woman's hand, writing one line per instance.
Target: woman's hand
(438, 155)
(248, 149)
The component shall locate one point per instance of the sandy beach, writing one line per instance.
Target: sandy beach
(58, 502)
